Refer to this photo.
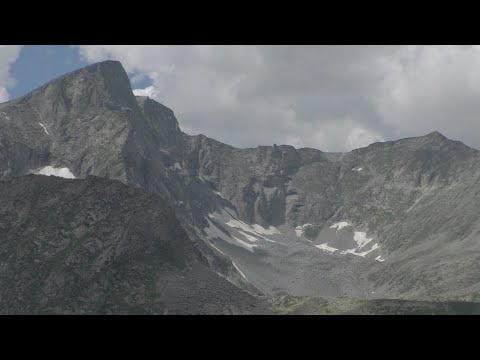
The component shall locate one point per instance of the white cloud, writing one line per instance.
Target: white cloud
(359, 137)
(3, 94)
(433, 88)
(148, 91)
(8, 55)
(328, 97)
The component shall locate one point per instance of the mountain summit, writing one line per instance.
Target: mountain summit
(91, 85)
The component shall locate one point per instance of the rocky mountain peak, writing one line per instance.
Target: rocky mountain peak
(434, 138)
(435, 135)
(100, 84)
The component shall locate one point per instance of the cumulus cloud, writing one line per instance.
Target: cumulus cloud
(3, 94)
(148, 91)
(333, 98)
(8, 55)
(433, 88)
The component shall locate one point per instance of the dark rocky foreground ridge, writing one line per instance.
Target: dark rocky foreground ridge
(96, 246)
(268, 218)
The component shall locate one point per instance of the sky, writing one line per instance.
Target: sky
(332, 97)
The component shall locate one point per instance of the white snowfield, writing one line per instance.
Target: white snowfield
(362, 254)
(261, 230)
(234, 265)
(247, 236)
(361, 238)
(220, 251)
(176, 167)
(255, 229)
(244, 244)
(44, 128)
(327, 248)
(60, 172)
(250, 236)
(239, 271)
(214, 232)
(340, 225)
(219, 194)
(299, 229)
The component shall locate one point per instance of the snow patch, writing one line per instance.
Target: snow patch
(177, 166)
(361, 239)
(327, 248)
(299, 229)
(44, 128)
(238, 224)
(379, 258)
(254, 232)
(261, 230)
(219, 194)
(220, 251)
(214, 232)
(234, 265)
(255, 229)
(249, 237)
(245, 245)
(362, 254)
(340, 225)
(239, 271)
(60, 172)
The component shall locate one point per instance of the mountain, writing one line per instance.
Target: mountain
(390, 206)
(393, 220)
